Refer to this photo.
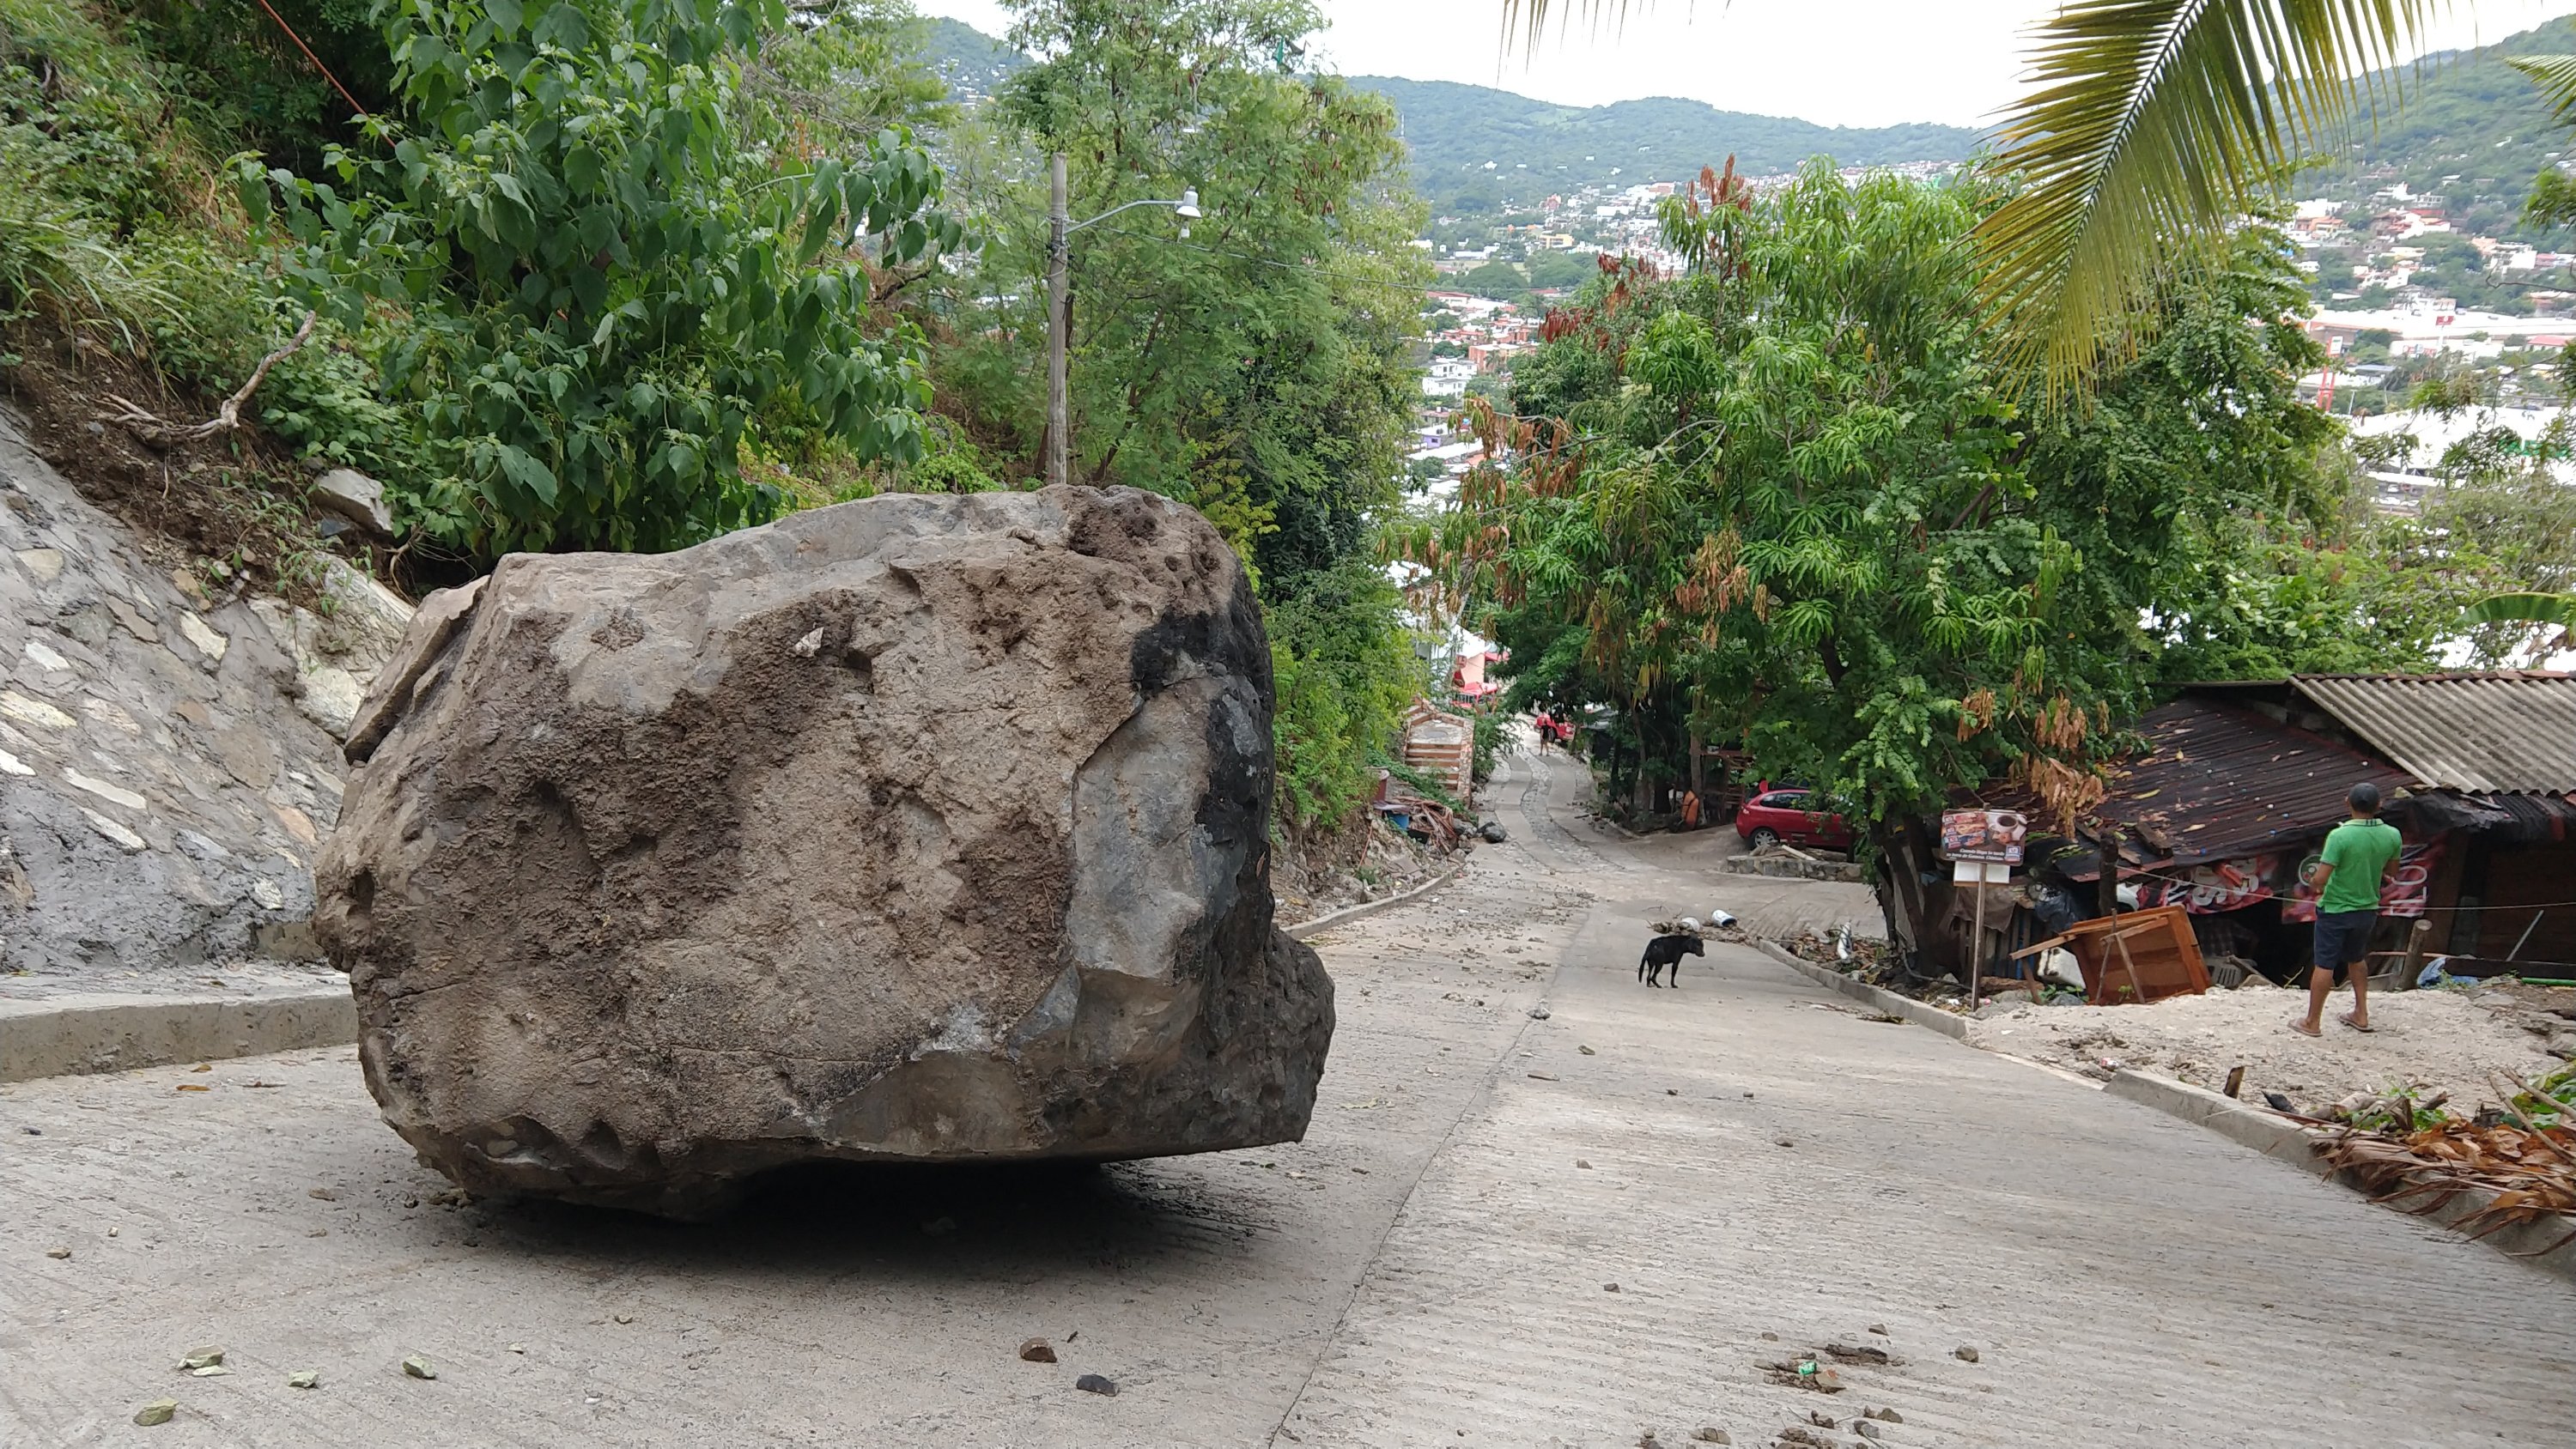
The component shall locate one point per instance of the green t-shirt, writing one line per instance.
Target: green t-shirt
(2358, 850)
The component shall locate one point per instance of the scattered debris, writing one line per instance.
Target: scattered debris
(1587, 1051)
(1821, 1419)
(197, 1358)
(1858, 1353)
(1037, 1350)
(1582, 1162)
(1542, 1077)
(1537, 1013)
(1711, 1434)
(1609, 1287)
(516, 1348)
(1964, 1354)
(418, 1367)
(58, 1252)
(1097, 1384)
(156, 1412)
(1865, 1429)
(304, 1379)
(322, 1194)
(1884, 1416)
(2531, 1172)
(1878, 1328)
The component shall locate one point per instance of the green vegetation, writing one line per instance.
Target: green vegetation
(608, 267)
(1257, 370)
(1788, 501)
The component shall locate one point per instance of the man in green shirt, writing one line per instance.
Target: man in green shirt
(2350, 878)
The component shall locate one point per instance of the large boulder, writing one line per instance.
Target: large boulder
(922, 828)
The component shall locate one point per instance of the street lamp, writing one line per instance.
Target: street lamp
(1060, 230)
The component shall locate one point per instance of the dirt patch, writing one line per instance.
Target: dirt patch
(1349, 868)
(235, 499)
(2445, 1039)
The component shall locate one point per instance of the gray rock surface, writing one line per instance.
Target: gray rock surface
(163, 784)
(356, 497)
(919, 828)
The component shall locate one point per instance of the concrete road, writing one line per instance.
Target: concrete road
(1759, 1170)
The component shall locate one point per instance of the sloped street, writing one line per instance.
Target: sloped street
(1761, 1172)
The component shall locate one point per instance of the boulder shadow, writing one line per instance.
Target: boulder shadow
(924, 1222)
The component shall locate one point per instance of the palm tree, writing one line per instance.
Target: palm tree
(2151, 128)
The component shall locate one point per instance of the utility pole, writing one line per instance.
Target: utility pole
(1059, 324)
(1060, 230)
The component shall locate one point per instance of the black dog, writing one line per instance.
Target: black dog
(1666, 951)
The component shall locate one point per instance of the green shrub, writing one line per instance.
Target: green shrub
(1489, 743)
(1343, 671)
(603, 273)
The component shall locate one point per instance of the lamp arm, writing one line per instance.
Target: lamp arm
(1113, 211)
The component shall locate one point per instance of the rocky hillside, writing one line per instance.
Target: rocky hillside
(169, 752)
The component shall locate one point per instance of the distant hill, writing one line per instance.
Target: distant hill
(2471, 130)
(969, 60)
(1537, 148)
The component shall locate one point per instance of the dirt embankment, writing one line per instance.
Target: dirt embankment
(2447, 1040)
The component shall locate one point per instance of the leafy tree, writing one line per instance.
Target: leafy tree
(1257, 369)
(1497, 279)
(603, 271)
(1787, 499)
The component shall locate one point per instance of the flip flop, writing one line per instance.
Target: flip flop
(2300, 1025)
(2347, 1020)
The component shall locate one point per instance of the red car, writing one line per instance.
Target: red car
(1784, 815)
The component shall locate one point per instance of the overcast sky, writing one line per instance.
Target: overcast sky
(1838, 62)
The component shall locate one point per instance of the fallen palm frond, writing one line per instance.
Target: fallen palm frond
(2531, 1173)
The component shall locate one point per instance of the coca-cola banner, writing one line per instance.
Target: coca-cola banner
(2213, 887)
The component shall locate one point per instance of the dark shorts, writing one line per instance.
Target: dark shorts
(2343, 937)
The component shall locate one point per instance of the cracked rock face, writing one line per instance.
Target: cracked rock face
(921, 828)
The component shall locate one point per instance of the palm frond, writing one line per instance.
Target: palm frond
(2556, 77)
(1528, 18)
(2529, 608)
(2151, 126)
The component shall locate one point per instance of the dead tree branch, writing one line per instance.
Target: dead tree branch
(153, 432)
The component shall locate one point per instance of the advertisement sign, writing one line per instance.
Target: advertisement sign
(2219, 885)
(1986, 835)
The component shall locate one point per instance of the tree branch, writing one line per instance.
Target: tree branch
(154, 433)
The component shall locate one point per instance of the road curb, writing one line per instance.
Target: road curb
(116, 1032)
(1304, 929)
(2287, 1141)
(1933, 1017)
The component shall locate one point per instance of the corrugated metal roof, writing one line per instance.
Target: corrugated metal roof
(2509, 730)
(2222, 781)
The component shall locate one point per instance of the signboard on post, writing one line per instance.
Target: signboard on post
(1984, 835)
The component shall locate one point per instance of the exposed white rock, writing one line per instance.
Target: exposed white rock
(24, 710)
(103, 790)
(203, 637)
(113, 831)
